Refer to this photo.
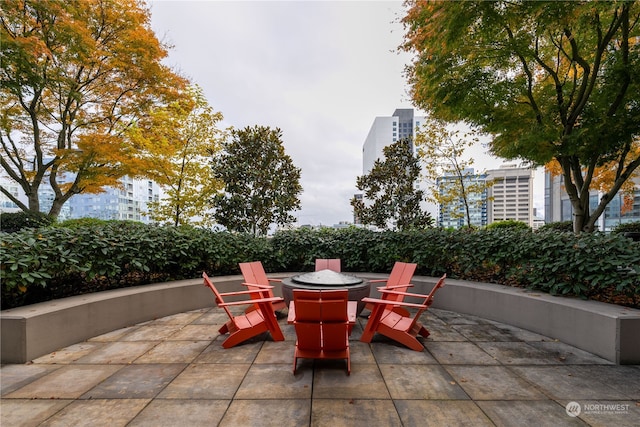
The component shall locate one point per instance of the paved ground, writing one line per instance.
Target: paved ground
(174, 372)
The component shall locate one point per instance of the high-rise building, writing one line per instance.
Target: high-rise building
(127, 202)
(387, 130)
(511, 195)
(558, 206)
(454, 215)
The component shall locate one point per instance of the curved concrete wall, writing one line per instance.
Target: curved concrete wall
(610, 331)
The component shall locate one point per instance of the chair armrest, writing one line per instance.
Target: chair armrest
(274, 280)
(408, 285)
(378, 280)
(258, 286)
(406, 294)
(249, 292)
(393, 303)
(250, 301)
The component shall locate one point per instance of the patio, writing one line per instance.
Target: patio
(173, 371)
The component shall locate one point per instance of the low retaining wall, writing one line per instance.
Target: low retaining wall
(606, 330)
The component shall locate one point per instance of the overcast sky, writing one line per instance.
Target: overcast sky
(320, 71)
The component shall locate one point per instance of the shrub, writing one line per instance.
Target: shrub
(52, 262)
(509, 223)
(15, 221)
(81, 222)
(627, 227)
(562, 226)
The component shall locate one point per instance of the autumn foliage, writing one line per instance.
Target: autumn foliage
(78, 77)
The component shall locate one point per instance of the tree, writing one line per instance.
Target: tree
(553, 82)
(185, 172)
(77, 78)
(441, 148)
(389, 190)
(261, 183)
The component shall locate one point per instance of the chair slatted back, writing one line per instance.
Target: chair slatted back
(333, 264)
(321, 319)
(218, 298)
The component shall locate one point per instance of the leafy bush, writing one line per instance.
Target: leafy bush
(46, 263)
(82, 222)
(15, 221)
(509, 223)
(627, 227)
(562, 226)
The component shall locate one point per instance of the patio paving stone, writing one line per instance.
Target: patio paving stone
(174, 412)
(493, 383)
(354, 412)
(421, 382)
(68, 382)
(173, 352)
(173, 371)
(135, 382)
(272, 413)
(437, 413)
(81, 413)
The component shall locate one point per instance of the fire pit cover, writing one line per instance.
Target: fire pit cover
(326, 278)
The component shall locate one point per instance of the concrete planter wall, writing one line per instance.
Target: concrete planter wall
(606, 330)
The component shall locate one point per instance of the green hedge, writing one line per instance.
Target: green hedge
(53, 262)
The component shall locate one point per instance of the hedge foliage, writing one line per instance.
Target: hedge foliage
(52, 262)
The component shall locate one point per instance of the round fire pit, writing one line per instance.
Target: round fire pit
(327, 279)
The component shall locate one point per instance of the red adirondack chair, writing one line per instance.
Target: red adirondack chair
(322, 325)
(388, 322)
(255, 278)
(399, 280)
(328, 264)
(241, 328)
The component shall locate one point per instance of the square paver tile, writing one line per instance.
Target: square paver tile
(361, 352)
(12, 377)
(569, 355)
(353, 412)
(397, 353)
(68, 382)
(484, 332)
(275, 381)
(114, 335)
(518, 353)
(243, 353)
(569, 382)
(173, 352)
(267, 413)
(28, 412)
(520, 334)
(437, 413)
(420, 382)
(152, 332)
(195, 333)
(624, 379)
(493, 383)
(206, 381)
(179, 319)
(459, 353)
(117, 353)
(212, 317)
(69, 354)
(444, 333)
(175, 412)
(365, 382)
(135, 382)
(528, 413)
(90, 413)
(276, 352)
